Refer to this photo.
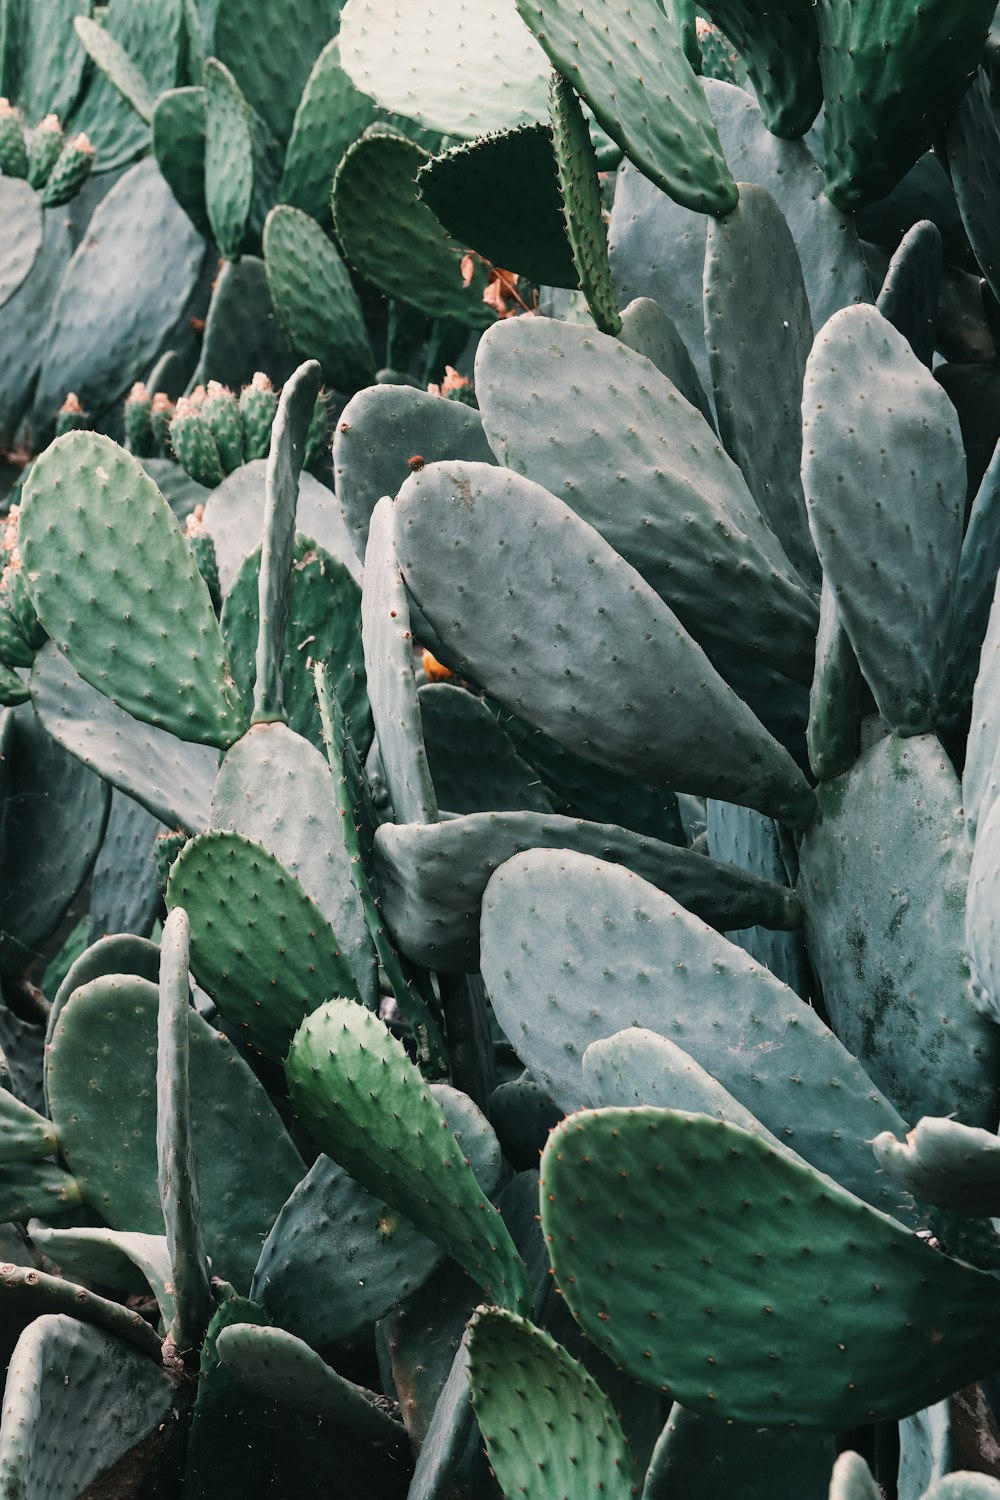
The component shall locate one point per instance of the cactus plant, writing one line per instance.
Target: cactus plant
(498, 943)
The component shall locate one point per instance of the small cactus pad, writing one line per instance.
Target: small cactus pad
(812, 1308)
(945, 1163)
(281, 1366)
(550, 1430)
(147, 636)
(343, 1069)
(259, 945)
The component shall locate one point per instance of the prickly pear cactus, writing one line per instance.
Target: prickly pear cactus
(500, 750)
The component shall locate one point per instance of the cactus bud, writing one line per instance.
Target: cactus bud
(161, 411)
(192, 441)
(72, 167)
(222, 413)
(203, 550)
(258, 404)
(13, 149)
(71, 415)
(43, 150)
(138, 427)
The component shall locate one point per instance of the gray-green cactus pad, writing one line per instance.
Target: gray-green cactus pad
(574, 950)
(432, 877)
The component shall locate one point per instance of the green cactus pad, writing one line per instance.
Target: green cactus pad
(331, 114)
(246, 1164)
(85, 496)
(179, 132)
(969, 673)
(451, 67)
(324, 625)
(833, 734)
(20, 235)
(381, 430)
(338, 1259)
(582, 208)
(273, 787)
(281, 487)
(972, 143)
(651, 332)
(500, 196)
(110, 56)
(242, 333)
(516, 557)
(259, 945)
(56, 812)
(945, 1163)
(780, 49)
(432, 877)
(549, 1428)
(25, 1135)
(28, 1294)
(560, 977)
(891, 953)
(229, 164)
(911, 290)
(776, 1326)
(314, 298)
(473, 763)
(234, 516)
(122, 953)
(115, 308)
(271, 60)
(888, 537)
(279, 1365)
(177, 1171)
(410, 990)
(341, 1062)
(101, 1397)
(392, 689)
(656, 111)
(392, 237)
(738, 836)
(605, 432)
(51, 67)
(892, 76)
(758, 332)
(127, 1263)
(124, 887)
(170, 777)
(733, 1461)
(36, 1188)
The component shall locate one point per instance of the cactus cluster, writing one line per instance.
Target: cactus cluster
(500, 834)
